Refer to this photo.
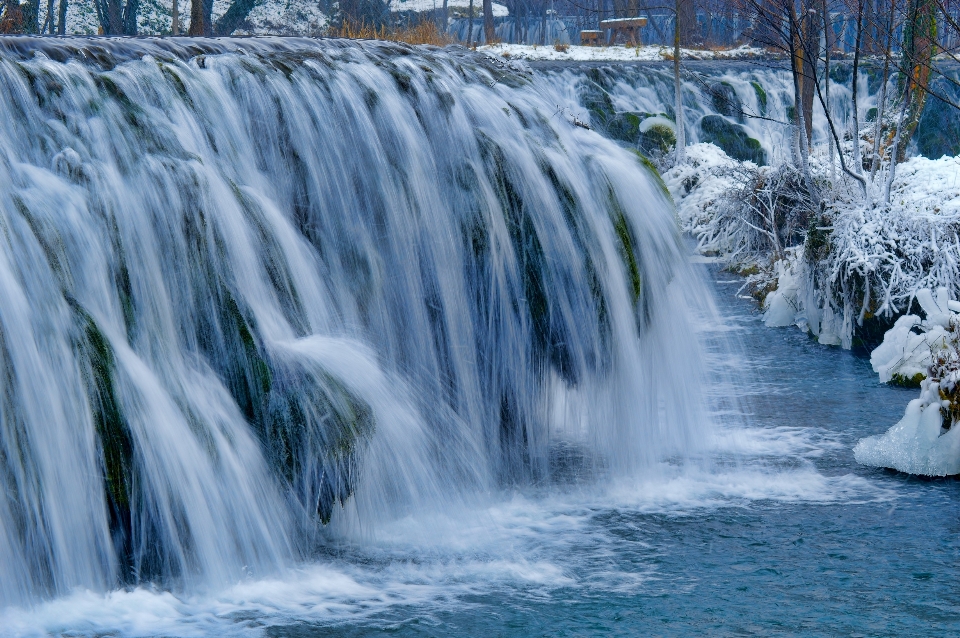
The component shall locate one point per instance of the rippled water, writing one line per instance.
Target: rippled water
(779, 532)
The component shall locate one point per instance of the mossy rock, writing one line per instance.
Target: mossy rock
(654, 173)
(116, 448)
(761, 97)
(732, 138)
(726, 101)
(938, 132)
(871, 114)
(817, 243)
(623, 127)
(874, 77)
(658, 138)
(841, 73)
(907, 382)
(317, 432)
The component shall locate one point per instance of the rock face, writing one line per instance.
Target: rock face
(726, 101)
(732, 138)
(938, 132)
(651, 133)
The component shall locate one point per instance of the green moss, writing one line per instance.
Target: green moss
(817, 242)
(626, 247)
(317, 430)
(113, 433)
(872, 114)
(658, 137)
(726, 101)
(907, 382)
(548, 331)
(761, 97)
(654, 173)
(732, 138)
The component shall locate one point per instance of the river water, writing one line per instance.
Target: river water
(778, 532)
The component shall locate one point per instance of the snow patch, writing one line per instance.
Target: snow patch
(643, 53)
(419, 6)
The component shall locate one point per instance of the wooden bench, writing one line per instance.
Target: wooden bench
(628, 27)
(590, 38)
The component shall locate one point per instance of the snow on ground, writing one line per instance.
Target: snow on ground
(499, 10)
(287, 17)
(647, 53)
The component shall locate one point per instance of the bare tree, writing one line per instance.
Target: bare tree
(678, 115)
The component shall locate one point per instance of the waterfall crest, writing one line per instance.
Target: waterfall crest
(253, 292)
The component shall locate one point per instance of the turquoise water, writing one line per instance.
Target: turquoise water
(798, 539)
(778, 532)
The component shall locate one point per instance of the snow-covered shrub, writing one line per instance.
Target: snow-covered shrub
(913, 344)
(927, 439)
(738, 210)
(864, 261)
(749, 216)
(918, 443)
(877, 258)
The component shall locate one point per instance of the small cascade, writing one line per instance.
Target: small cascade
(257, 292)
(746, 108)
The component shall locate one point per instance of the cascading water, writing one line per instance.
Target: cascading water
(255, 293)
(726, 103)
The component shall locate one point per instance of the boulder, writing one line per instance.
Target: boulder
(732, 138)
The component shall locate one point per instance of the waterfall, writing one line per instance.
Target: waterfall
(255, 293)
(754, 100)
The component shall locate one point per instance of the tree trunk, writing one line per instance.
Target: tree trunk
(855, 81)
(919, 44)
(680, 152)
(62, 18)
(797, 70)
(687, 18)
(896, 144)
(489, 34)
(882, 100)
(470, 32)
(234, 16)
(175, 19)
(827, 45)
(811, 44)
(130, 17)
(196, 18)
(49, 23)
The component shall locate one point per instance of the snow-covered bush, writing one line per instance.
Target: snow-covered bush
(913, 344)
(927, 439)
(752, 217)
(860, 259)
(877, 258)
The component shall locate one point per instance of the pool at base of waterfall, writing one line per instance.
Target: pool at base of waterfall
(778, 532)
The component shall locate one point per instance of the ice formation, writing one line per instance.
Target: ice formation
(926, 440)
(917, 444)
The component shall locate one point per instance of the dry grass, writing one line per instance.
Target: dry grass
(425, 32)
(560, 46)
